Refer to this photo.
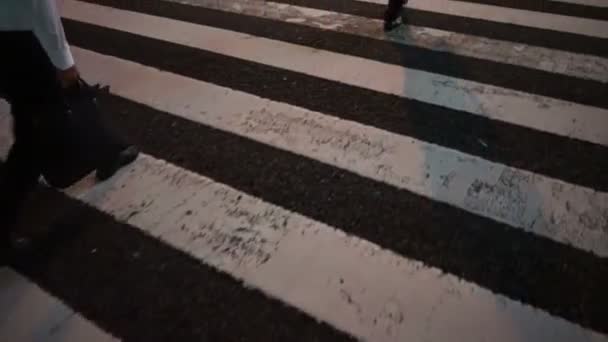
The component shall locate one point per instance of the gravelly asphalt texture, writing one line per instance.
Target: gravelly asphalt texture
(140, 289)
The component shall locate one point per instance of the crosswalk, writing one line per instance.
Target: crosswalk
(306, 176)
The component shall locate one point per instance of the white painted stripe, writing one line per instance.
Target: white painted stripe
(350, 283)
(542, 205)
(530, 56)
(548, 21)
(28, 313)
(542, 113)
(596, 3)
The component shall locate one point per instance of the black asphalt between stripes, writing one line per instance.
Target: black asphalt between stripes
(139, 289)
(571, 160)
(560, 279)
(510, 76)
(476, 27)
(547, 6)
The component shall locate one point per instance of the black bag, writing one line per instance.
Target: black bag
(75, 141)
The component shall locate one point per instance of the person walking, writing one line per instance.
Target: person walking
(393, 16)
(37, 69)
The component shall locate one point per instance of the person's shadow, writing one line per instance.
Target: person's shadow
(502, 194)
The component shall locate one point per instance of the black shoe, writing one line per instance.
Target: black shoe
(393, 20)
(391, 25)
(124, 158)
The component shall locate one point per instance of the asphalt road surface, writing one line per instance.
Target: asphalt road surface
(307, 177)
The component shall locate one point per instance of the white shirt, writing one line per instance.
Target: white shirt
(42, 18)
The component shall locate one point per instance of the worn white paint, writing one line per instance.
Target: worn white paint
(564, 212)
(596, 3)
(530, 56)
(548, 21)
(350, 283)
(28, 313)
(538, 112)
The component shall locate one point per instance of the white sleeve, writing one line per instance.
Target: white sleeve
(49, 31)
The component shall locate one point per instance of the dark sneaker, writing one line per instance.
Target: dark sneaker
(393, 20)
(391, 25)
(124, 158)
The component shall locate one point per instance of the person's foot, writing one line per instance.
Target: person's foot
(393, 20)
(390, 25)
(125, 157)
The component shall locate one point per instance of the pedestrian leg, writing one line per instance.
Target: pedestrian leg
(392, 15)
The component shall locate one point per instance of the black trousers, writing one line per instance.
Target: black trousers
(28, 80)
(394, 9)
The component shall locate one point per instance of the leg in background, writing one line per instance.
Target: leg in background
(393, 14)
